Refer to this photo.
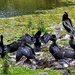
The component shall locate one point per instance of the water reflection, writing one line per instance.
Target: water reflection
(21, 7)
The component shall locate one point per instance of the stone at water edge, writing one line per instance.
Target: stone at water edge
(42, 73)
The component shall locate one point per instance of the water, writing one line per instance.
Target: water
(10, 8)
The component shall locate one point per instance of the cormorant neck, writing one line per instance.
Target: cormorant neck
(1, 39)
(64, 18)
(54, 42)
(71, 39)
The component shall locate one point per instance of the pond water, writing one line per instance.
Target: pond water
(10, 8)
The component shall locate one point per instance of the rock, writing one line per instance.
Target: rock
(65, 65)
(62, 63)
(72, 63)
(56, 65)
(45, 63)
(66, 73)
(66, 37)
(42, 73)
(30, 66)
(21, 62)
(27, 66)
(39, 53)
(47, 68)
(34, 67)
(13, 56)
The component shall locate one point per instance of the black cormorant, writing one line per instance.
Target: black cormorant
(27, 51)
(72, 42)
(2, 51)
(60, 53)
(37, 44)
(67, 23)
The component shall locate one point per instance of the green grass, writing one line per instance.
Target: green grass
(19, 25)
(63, 42)
(22, 71)
(18, 70)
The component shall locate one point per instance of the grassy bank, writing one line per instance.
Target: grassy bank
(13, 27)
(22, 71)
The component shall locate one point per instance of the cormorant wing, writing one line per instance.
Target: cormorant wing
(73, 43)
(28, 39)
(45, 38)
(68, 24)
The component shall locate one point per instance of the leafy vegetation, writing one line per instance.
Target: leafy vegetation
(22, 71)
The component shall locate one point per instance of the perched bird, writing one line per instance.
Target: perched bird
(72, 42)
(33, 40)
(60, 53)
(27, 51)
(2, 51)
(12, 47)
(7, 48)
(55, 50)
(37, 44)
(28, 39)
(22, 49)
(67, 23)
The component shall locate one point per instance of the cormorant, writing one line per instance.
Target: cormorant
(55, 50)
(37, 44)
(72, 42)
(33, 40)
(2, 51)
(12, 47)
(22, 49)
(60, 53)
(67, 23)
(27, 51)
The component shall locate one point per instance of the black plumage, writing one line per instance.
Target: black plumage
(45, 38)
(55, 50)
(2, 51)
(27, 51)
(22, 49)
(28, 39)
(33, 40)
(67, 23)
(12, 47)
(37, 44)
(72, 42)
(58, 52)
(37, 36)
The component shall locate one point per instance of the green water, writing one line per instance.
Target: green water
(10, 8)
